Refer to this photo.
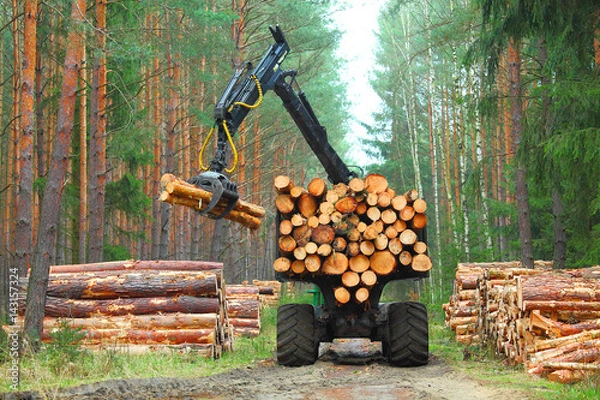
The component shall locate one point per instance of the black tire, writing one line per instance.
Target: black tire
(296, 335)
(406, 342)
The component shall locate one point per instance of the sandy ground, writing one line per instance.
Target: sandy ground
(346, 370)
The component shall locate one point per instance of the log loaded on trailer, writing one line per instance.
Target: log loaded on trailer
(402, 327)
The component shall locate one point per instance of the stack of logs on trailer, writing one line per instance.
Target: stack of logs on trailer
(359, 231)
(549, 320)
(137, 306)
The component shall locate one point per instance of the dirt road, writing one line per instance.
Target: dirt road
(346, 371)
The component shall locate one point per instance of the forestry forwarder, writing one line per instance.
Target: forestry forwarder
(402, 327)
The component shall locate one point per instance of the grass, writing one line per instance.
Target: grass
(63, 363)
(482, 364)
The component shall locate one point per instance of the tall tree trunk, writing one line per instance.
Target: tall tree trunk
(597, 42)
(13, 149)
(559, 230)
(169, 156)
(521, 189)
(83, 173)
(97, 162)
(4, 223)
(23, 233)
(49, 220)
(436, 275)
(157, 106)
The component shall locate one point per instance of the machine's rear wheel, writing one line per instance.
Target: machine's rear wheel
(296, 337)
(406, 343)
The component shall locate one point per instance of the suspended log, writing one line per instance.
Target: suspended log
(247, 220)
(173, 185)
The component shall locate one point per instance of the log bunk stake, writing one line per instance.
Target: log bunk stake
(138, 306)
(548, 320)
(357, 231)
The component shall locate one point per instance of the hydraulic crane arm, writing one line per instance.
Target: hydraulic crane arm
(244, 92)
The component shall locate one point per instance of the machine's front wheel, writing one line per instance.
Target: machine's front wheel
(296, 335)
(406, 342)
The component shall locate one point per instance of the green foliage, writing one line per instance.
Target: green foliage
(112, 252)
(127, 194)
(64, 350)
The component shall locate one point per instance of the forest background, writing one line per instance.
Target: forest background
(491, 110)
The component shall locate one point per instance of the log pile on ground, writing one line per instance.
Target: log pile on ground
(177, 191)
(269, 292)
(141, 305)
(549, 320)
(244, 309)
(359, 232)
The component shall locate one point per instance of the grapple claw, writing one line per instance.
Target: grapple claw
(221, 188)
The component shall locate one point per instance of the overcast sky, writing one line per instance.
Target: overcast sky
(358, 23)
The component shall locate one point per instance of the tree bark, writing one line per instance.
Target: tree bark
(521, 188)
(97, 163)
(49, 220)
(23, 228)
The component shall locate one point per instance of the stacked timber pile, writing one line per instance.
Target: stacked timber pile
(549, 320)
(359, 232)
(177, 191)
(244, 309)
(141, 305)
(478, 287)
(269, 292)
